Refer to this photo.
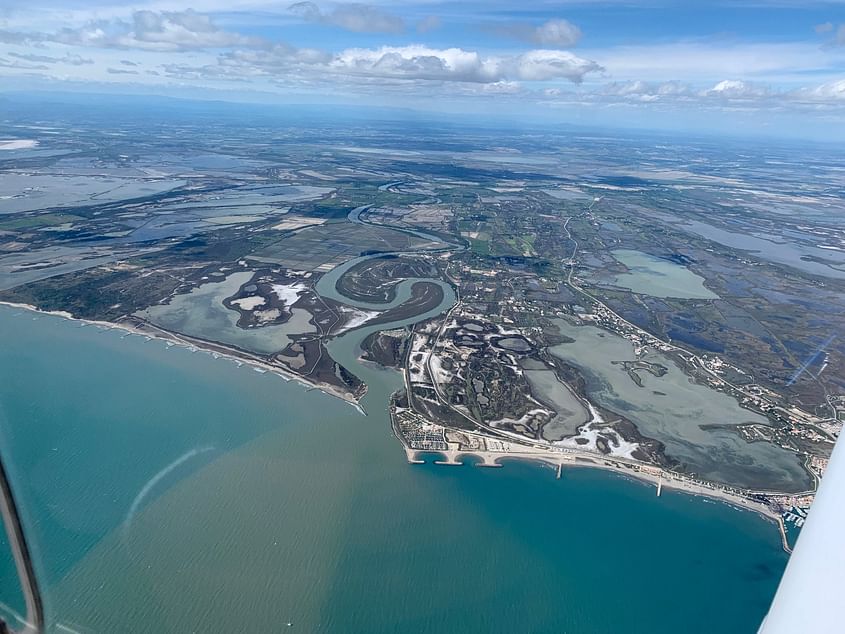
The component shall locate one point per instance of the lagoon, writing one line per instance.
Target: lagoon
(201, 314)
(694, 421)
(658, 277)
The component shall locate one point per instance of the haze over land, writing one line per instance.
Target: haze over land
(772, 68)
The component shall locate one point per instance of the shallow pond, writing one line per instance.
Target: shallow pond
(673, 410)
(650, 275)
(201, 314)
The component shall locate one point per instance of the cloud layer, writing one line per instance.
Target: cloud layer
(146, 30)
(420, 56)
(455, 64)
(410, 64)
(728, 93)
(359, 18)
(556, 33)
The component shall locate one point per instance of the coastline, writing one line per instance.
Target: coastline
(220, 350)
(640, 472)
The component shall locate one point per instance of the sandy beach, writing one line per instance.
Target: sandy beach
(564, 458)
(635, 470)
(154, 332)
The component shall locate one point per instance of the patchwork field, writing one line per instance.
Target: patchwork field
(321, 248)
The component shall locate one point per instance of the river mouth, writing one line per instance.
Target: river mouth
(346, 349)
(695, 423)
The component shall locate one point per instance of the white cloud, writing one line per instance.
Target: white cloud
(557, 33)
(360, 18)
(147, 30)
(838, 38)
(543, 65)
(20, 65)
(189, 48)
(15, 37)
(279, 61)
(735, 89)
(647, 91)
(428, 23)
(73, 60)
(417, 62)
(724, 95)
(455, 64)
(415, 65)
(276, 60)
(829, 92)
(502, 87)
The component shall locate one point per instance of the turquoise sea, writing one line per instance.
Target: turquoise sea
(169, 491)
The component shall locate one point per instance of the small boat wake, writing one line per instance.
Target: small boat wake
(145, 490)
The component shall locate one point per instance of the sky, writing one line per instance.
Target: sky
(755, 66)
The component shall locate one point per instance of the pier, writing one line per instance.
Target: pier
(411, 455)
(558, 457)
(783, 538)
(451, 456)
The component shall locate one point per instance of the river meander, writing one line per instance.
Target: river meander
(170, 491)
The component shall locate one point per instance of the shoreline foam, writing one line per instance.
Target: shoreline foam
(662, 478)
(492, 458)
(219, 350)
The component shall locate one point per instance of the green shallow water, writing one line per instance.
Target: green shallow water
(172, 492)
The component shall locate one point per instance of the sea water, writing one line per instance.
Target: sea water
(170, 491)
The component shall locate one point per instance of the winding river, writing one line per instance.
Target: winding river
(346, 349)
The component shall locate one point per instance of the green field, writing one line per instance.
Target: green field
(42, 220)
(327, 245)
